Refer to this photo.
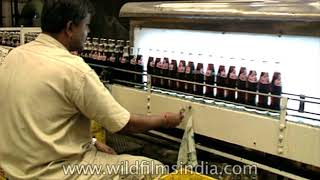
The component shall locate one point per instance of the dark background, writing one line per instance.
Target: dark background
(105, 22)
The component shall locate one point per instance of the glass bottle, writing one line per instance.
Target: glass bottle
(276, 89)
(189, 76)
(252, 86)
(231, 83)
(264, 87)
(221, 81)
(199, 78)
(242, 85)
(209, 79)
(181, 75)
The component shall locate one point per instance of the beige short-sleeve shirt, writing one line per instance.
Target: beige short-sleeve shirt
(47, 97)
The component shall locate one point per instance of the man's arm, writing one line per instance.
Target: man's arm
(95, 102)
(143, 123)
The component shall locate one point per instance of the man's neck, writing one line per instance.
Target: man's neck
(60, 38)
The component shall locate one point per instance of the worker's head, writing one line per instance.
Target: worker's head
(68, 20)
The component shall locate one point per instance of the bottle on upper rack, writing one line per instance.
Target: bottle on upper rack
(264, 87)
(9, 42)
(132, 65)
(276, 89)
(173, 74)
(209, 79)
(181, 75)
(165, 73)
(1, 37)
(85, 52)
(242, 85)
(189, 76)
(110, 50)
(104, 51)
(199, 78)
(124, 64)
(139, 69)
(151, 65)
(100, 54)
(103, 57)
(16, 39)
(117, 56)
(252, 86)
(221, 81)
(4, 38)
(94, 52)
(231, 83)
(112, 57)
(157, 70)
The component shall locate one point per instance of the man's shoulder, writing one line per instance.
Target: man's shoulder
(77, 63)
(61, 57)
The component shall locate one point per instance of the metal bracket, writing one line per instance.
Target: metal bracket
(282, 125)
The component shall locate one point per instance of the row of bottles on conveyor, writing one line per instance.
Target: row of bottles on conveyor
(12, 38)
(188, 71)
(116, 54)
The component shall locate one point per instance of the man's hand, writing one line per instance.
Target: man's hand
(172, 120)
(104, 148)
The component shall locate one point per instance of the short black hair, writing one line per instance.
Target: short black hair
(57, 13)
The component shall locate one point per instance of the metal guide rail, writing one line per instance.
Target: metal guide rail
(297, 115)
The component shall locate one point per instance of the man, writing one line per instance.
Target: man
(47, 98)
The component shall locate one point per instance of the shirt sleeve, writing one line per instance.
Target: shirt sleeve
(94, 100)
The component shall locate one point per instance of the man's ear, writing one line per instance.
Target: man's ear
(69, 28)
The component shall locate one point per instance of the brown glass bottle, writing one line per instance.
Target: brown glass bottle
(157, 72)
(264, 87)
(110, 52)
(4, 38)
(85, 52)
(199, 78)
(112, 59)
(104, 51)
(172, 73)
(209, 79)
(276, 89)
(231, 83)
(110, 55)
(1, 37)
(139, 69)
(190, 76)
(124, 64)
(100, 54)
(117, 56)
(181, 75)
(165, 73)
(252, 86)
(221, 81)
(150, 68)
(132, 65)
(242, 85)
(94, 51)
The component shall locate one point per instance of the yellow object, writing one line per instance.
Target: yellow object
(184, 174)
(2, 177)
(98, 131)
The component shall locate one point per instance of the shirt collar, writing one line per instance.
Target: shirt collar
(49, 40)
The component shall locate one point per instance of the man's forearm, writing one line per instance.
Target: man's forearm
(143, 123)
